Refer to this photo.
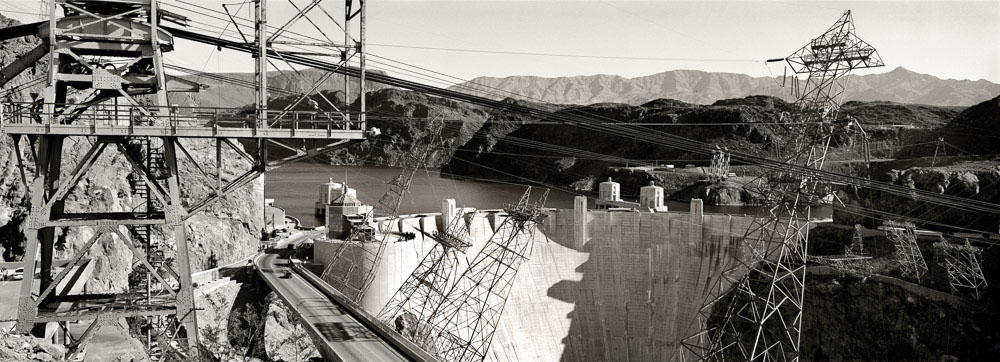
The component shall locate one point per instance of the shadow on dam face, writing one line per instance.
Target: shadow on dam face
(628, 290)
(598, 285)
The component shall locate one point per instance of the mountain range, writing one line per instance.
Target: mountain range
(693, 86)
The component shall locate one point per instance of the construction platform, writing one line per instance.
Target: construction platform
(186, 122)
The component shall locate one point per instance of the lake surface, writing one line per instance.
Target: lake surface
(295, 188)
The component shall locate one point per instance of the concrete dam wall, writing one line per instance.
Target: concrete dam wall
(599, 285)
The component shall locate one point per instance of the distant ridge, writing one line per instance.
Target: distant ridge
(693, 86)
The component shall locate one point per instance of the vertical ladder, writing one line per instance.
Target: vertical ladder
(142, 283)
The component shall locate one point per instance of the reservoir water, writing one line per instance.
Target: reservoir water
(295, 188)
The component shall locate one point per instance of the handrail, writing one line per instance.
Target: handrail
(29, 113)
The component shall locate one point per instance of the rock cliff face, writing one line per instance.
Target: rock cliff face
(223, 232)
(887, 319)
(12, 49)
(517, 156)
(850, 319)
(286, 339)
(973, 180)
(970, 132)
(898, 85)
(403, 118)
(730, 193)
(12, 207)
(973, 173)
(513, 153)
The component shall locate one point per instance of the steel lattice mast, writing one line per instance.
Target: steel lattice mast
(755, 310)
(425, 289)
(462, 327)
(964, 264)
(352, 268)
(911, 261)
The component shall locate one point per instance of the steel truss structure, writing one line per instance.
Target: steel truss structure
(425, 289)
(106, 88)
(911, 261)
(754, 312)
(857, 246)
(352, 268)
(719, 168)
(462, 326)
(964, 265)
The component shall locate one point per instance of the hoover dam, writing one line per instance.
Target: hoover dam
(599, 284)
(135, 225)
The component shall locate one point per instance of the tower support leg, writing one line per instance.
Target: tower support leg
(39, 237)
(175, 215)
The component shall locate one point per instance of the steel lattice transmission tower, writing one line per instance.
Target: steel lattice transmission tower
(425, 289)
(964, 265)
(857, 246)
(352, 268)
(911, 261)
(462, 327)
(754, 312)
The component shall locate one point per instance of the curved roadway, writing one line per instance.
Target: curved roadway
(337, 334)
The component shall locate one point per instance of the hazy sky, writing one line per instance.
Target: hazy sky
(948, 39)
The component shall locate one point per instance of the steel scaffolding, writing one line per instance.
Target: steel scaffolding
(106, 86)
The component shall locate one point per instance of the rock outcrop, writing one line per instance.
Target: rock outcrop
(731, 192)
(974, 180)
(286, 339)
(18, 348)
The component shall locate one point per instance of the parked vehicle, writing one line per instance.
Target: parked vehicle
(18, 274)
(79, 356)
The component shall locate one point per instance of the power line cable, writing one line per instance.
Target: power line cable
(678, 142)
